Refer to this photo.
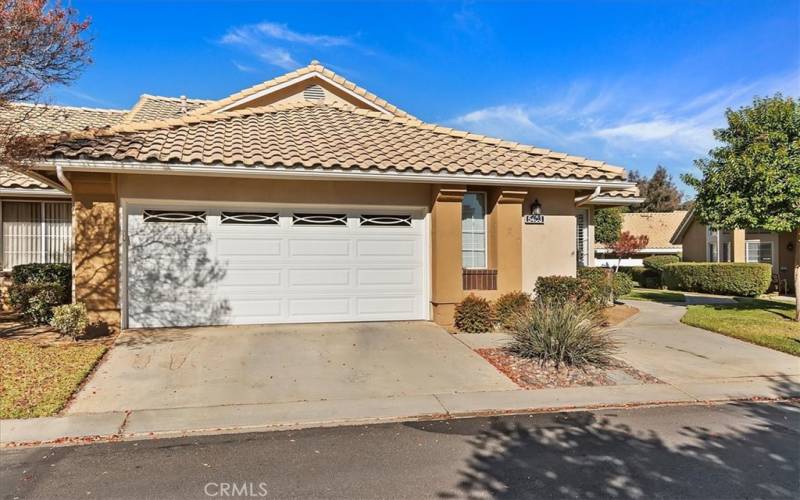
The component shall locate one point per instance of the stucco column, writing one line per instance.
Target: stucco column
(446, 289)
(95, 259)
(737, 246)
(508, 238)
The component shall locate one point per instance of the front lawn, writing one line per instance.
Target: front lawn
(37, 381)
(654, 295)
(764, 322)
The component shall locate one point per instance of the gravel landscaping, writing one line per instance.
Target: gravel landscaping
(530, 374)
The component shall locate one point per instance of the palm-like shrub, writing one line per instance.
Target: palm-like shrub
(562, 332)
(474, 315)
(509, 305)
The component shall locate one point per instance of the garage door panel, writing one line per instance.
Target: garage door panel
(255, 247)
(213, 273)
(387, 277)
(323, 277)
(319, 307)
(387, 248)
(390, 305)
(317, 247)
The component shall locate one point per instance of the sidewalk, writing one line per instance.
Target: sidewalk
(694, 365)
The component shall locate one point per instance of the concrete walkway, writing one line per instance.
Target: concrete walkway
(696, 366)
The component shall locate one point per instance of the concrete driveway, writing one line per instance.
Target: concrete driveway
(214, 366)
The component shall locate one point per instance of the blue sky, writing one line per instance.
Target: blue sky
(634, 83)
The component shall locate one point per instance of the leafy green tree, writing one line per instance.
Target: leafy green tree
(607, 225)
(659, 192)
(752, 180)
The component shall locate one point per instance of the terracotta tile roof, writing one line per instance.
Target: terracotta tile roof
(658, 226)
(621, 193)
(12, 179)
(314, 67)
(323, 136)
(39, 119)
(155, 107)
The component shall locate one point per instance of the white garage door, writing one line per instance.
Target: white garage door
(193, 266)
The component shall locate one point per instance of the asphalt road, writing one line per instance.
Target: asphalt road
(730, 451)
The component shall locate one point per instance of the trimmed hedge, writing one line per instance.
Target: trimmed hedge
(43, 273)
(724, 278)
(623, 285)
(643, 276)
(600, 280)
(657, 262)
(37, 288)
(592, 286)
(509, 306)
(474, 315)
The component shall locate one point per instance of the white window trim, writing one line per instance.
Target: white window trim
(585, 250)
(43, 223)
(760, 242)
(485, 233)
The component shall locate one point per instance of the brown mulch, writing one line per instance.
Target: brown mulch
(618, 313)
(530, 374)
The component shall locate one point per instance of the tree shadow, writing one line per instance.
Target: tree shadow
(172, 279)
(581, 455)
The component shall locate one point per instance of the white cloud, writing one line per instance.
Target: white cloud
(622, 123)
(273, 43)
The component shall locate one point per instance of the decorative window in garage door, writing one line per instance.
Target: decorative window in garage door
(190, 216)
(249, 218)
(319, 219)
(386, 220)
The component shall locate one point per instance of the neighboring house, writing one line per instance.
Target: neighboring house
(307, 198)
(702, 244)
(657, 226)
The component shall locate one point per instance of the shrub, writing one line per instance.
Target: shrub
(724, 278)
(607, 225)
(657, 262)
(509, 306)
(643, 276)
(35, 301)
(622, 285)
(562, 332)
(474, 315)
(43, 273)
(560, 288)
(599, 281)
(70, 319)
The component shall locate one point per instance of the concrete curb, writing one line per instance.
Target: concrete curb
(163, 423)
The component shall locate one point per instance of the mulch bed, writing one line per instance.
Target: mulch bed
(530, 374)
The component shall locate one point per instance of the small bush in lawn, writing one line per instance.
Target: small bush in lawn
(509, 305)
(70, 319)
(657, 262)
(474, 315)
(43, 273)
(35, 301)
(724, 278)
(562, 332)
(623, 285)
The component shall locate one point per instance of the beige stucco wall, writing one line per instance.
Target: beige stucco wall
(294, 93)
(549, 249)
(694, 243)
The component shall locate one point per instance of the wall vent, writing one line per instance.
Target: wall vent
(314, 93)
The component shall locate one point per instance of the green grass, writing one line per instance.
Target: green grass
(764, 322)
(37, 381)
(654, 295)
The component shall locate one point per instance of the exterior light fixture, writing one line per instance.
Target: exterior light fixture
(536, 207)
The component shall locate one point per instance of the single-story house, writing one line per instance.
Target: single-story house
(701, 243)
(306, 199)
(657, 226)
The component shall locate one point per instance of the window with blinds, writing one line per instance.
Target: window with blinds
(581, 238)
(35, 232)
(759, 251)
(473, 230)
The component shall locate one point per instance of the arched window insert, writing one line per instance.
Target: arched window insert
(249, 218)
(386, 220)
(319, 219)
(189, 216)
